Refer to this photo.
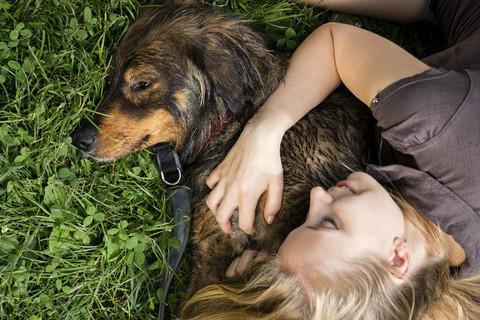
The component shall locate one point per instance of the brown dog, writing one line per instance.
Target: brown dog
(181, 71)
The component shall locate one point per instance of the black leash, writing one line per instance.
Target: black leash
(171, 173)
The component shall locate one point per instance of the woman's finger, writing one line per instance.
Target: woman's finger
(215, 198)
(231, 269)
(247, 257)
(246, 213)
(240, 263)
(214, 177)
(224, 213)
(273, 203)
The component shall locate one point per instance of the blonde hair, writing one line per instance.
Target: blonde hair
(265, 291)
(268, 291)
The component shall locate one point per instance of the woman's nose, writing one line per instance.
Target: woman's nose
(319, 203)
(319, 195)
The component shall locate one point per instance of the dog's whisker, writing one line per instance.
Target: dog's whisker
(348, 167)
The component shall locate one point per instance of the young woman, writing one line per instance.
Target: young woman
(364, 252)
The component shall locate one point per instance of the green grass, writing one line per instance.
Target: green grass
(81, 239)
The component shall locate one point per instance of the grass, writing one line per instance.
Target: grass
(81, 239)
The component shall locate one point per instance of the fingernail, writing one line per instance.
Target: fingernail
(270, 219)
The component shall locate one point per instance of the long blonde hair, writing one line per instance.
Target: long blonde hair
(264, 291)
(268, 291)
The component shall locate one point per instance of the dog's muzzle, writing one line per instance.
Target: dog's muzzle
(85, 136)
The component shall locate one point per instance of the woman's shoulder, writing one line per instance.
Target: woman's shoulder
(414, 110)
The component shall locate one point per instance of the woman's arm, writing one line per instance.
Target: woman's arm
(365, 62)
(399, 11)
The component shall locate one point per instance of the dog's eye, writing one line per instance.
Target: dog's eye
(141, 85)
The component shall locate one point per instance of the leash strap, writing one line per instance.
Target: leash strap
(171, 173)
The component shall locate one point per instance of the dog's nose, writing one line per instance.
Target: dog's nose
(85, 137)
(84, 141)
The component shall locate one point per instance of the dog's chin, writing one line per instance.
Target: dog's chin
(102, 157)
(110, 157)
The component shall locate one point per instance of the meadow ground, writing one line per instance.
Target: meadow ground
(81, 239)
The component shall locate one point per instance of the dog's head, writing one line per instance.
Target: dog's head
(178, 70)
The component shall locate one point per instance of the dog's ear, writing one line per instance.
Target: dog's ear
(231, 57)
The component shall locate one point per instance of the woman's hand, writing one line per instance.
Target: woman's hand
(240, 263)
(318, 66)
(251, 167)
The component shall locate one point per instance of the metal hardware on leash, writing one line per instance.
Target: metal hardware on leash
(168, 164)
(172, 183)
(171, 173)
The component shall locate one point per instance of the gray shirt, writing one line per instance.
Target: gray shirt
(432, 123)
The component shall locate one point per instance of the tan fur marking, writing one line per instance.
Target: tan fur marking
(182, 97)
(140, 73)
(122, 135)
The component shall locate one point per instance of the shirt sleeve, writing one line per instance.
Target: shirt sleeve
(414, 110)
(434, 119)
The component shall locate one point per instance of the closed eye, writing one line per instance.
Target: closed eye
(328, 222)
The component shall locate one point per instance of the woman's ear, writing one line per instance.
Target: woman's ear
(399, 260)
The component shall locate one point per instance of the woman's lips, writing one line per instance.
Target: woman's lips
(345, 184)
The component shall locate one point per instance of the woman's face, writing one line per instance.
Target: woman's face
(355, 218)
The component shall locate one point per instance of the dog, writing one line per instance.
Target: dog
(191, 75)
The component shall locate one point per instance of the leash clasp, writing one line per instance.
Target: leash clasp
(172, 183)
(169, 164)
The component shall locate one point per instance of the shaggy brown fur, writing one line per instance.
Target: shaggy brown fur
(182, 68)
